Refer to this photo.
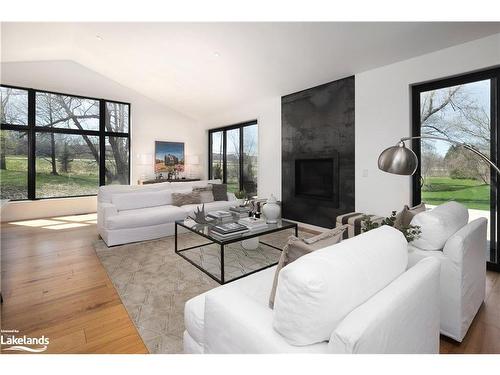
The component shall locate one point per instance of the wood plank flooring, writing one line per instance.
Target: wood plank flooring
(54, 285)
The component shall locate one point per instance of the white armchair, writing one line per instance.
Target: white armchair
(355, 297)
(463, 266)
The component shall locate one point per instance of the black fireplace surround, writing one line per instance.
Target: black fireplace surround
(318, 153)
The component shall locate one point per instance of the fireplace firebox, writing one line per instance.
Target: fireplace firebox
(315, 178)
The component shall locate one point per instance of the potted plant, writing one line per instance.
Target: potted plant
(240, 196)
(411, 232)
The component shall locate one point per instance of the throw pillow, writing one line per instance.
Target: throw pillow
(296, 247)
(404, 217)
(220, 192)
(181, 199)
(206, 194)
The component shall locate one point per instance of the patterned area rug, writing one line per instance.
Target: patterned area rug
(154, 283)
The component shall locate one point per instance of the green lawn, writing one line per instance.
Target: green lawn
(471, 193)
(83, 179)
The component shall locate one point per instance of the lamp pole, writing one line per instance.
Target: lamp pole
(461, 144)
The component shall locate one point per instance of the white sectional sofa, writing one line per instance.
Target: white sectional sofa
(143, 212)
(353, 297)
(461, 248)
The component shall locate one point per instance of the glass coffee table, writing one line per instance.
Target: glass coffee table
(225, 259)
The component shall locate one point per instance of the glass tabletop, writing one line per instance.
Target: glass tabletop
(205, 230)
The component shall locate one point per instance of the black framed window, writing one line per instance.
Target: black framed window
(56, 145)
(465, 109)
(233, 156)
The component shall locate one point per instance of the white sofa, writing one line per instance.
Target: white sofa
(461, 249)
(130, 213)
(353, 297)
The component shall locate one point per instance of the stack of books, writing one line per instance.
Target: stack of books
(229, 229)
(221, 215)
(253, 223)
(240, 211)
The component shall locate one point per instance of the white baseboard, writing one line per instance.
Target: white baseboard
(27, 210)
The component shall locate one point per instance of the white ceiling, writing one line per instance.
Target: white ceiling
(200, 69)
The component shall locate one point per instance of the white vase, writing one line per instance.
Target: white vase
(271, 210)
(250, 244)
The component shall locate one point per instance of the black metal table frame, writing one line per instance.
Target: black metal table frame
(222, 280)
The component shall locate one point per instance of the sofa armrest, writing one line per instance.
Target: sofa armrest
(236, 323)
(231, 197)
(401, 318)
(104, 212)
(470, 241)
(463, 278)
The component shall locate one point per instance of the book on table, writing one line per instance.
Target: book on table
(253, 223)
(220, 214)
(229, 229)
(239, 209)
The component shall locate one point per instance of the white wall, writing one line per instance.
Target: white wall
(383, 115)
(150, 121)
(268, 115)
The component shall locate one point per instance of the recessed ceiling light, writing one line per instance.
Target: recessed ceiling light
(98, 37)
(216, 54)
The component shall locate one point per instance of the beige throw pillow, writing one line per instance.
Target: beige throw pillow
(403, 218)
(297, 247)
(206, 194)
(181, 199)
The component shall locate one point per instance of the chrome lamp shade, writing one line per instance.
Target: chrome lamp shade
(398, 160)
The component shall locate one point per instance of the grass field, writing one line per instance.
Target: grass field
(471, 193)
(83, 179)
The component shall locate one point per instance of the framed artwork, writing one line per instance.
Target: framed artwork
(169, 157)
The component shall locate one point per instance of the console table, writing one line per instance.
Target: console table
(155, 181)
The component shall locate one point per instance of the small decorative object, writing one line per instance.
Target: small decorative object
(240, 195)
(250, 244)
(271, 210)
(411, 232)
(199, 216)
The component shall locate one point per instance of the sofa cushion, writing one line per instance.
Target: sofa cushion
(194, 312)
(145, 217)
(318, 290)
(404, 217)
(255, 287)
(206, 194)
(105, 192)
(182, 198)
(439, 224)
(296, 247)
(141, 199)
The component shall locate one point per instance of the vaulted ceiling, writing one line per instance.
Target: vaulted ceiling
(201, 68)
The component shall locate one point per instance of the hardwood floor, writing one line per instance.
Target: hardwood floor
(54, 285)
(483, 336)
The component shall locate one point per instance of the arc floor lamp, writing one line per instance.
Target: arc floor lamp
(401, 160)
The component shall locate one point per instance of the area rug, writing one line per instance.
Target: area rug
(154, 283)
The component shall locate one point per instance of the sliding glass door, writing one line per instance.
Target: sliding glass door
(233, 156)
(463, 109)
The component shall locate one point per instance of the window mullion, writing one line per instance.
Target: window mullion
(241, 160)
(224, 157)
(102, 143)
(31, 145)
